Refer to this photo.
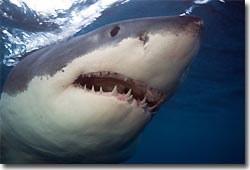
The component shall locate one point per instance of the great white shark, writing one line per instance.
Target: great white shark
(88, 98)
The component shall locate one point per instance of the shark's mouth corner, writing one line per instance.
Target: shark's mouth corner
(133, 91)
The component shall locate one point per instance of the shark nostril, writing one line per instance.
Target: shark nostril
(114, 31)
(144, 37)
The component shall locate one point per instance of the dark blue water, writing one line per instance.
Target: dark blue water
(205, 121)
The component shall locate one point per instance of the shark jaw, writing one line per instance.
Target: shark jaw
(134, 92)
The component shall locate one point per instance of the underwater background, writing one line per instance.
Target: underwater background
(204, 122)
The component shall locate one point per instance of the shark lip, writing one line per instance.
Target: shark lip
(124, 88)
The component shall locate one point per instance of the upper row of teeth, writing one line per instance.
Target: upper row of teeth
(129, 97)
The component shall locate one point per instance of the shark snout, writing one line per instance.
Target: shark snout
(183, 24)
(176, 24)
(194, 24)
(171, 45)
(193, 19)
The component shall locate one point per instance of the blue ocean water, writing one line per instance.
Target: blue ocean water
(204, 122)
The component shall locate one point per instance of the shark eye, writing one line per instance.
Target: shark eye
(114, 31)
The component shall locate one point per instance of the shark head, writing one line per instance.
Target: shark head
(89, 97)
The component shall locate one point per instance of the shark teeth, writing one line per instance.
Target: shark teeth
(128, 97)
(101, 91)
(114, 92)
(123, 88)
(144, 105)
(152, 108)
(134, 103)
(93, 89)
(128, 93)
(144, 100)
(85, 87)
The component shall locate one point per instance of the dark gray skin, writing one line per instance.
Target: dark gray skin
(50, 59)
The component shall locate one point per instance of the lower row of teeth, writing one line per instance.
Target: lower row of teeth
(128, 97)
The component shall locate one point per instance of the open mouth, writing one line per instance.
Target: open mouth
(133, 91)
